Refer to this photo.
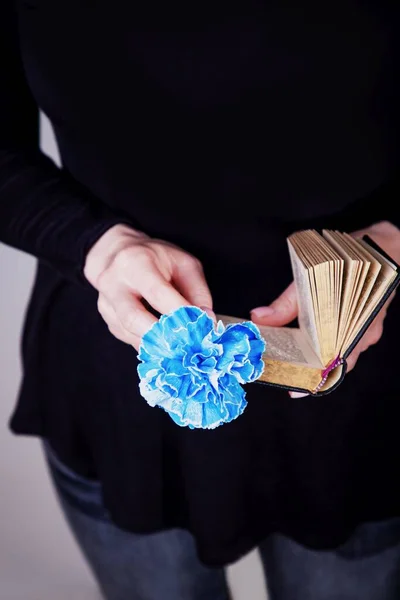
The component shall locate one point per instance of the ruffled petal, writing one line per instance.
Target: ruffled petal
(193, 369)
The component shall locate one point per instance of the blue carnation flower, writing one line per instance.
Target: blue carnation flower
(193, 369)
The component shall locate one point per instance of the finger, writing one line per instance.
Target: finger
(189, 279)
(122, 336)
(352, 359)
(210, 313)
(370, 338)
(110, 317)
(159, 293)
(132, 316)
(281, 312)
(372, 335)
(145, 276)
(106, 310)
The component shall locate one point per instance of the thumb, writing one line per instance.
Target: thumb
(281, 312)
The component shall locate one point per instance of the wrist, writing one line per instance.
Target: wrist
(104, 250)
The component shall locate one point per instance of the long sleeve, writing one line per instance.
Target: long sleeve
(381, 205)
(42, 210)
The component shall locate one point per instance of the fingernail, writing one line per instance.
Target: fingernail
(298, 395)
(262, 311)
(209, 311)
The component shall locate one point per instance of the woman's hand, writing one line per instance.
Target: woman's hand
(284, 309)
(127, 267)
(387, 236)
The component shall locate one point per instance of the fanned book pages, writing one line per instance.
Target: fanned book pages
(341, 283)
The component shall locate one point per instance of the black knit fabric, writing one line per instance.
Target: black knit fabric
(223, 131)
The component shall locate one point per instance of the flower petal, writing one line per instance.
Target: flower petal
(193, 369)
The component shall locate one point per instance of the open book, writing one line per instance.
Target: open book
(341, 285)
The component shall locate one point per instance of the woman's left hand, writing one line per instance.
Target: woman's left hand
(284, 309)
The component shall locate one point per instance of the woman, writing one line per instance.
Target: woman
(193, 141)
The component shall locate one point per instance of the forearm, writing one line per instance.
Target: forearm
(45, 213)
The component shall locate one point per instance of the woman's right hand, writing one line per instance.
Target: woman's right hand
(127, 267)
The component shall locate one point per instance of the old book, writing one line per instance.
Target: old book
(341, 284)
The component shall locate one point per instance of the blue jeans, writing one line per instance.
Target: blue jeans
(164, 566)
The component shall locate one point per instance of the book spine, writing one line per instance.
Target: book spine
(325, 373)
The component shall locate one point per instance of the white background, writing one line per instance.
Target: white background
(38, 557)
